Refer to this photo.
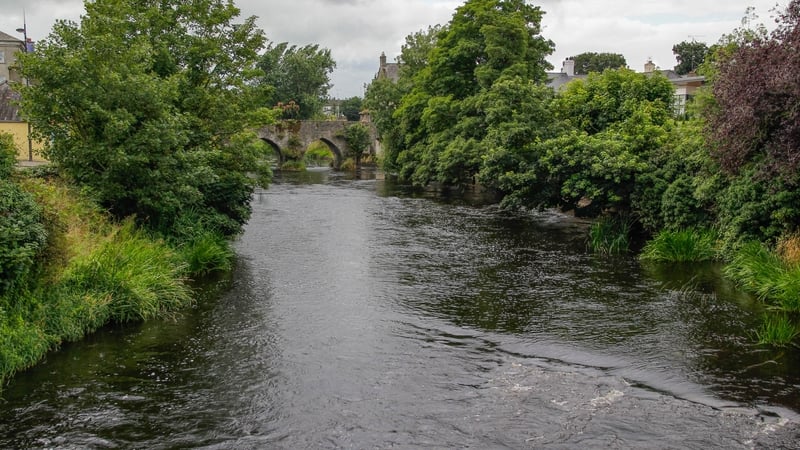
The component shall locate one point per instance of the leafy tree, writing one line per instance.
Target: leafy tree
(298, 74)
(690, 56)
(588, 62)
(762, 127)
(414, 53)
(144, 105)
(442, 120)
(602, 100)
(351, 108)
(357, 138)
(381, 100)
(608, 124)
(383, 96)
(679, 189)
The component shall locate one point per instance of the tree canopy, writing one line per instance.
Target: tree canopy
(588, 62)
(762, 127)
(144, 104)
(351, 108)
(297, 74)
(690, 56)
(488, 54)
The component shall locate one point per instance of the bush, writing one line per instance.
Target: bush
(293, 166)
(691, 245)
(22, 235)
(207, 253)
(8, 155)
(348, 164)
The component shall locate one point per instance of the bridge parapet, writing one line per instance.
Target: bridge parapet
(290, 139)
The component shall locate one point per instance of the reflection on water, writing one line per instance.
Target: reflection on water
(366, 314)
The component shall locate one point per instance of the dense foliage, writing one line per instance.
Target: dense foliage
(358, 138)
(299, 75)
(761, 128)
(690, 56)
(455, 111)
(350, 108)
(606, 144)
(588, 62)
(144, 105)
(22, 232)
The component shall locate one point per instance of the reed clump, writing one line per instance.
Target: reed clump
(688, 245)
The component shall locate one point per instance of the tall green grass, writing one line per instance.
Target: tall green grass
(142, 277)
(610, 235)
(774, 281)
(763, 273)
(94, 272)
(690, 245)
(777, 329)
(207, 253)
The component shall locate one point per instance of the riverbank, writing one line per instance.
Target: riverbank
(92, 272)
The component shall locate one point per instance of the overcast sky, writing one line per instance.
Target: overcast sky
(357, 31)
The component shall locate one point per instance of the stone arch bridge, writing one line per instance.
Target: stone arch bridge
(290, 139)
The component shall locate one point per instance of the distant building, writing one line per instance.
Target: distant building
(685, 85)
(386, 70)
(558, 79)
(9, 47)
(13, 124)
(10, 120)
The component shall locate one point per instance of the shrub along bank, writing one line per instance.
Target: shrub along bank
(74, 270)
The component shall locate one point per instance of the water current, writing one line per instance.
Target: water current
(362, 314)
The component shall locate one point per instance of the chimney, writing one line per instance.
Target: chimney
(568, 67)
(383, 59)
(649, 66)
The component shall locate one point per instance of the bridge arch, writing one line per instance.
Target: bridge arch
(337, 152)
(300, 134)
(276, 149)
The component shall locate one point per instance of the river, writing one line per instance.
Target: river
(365, 315)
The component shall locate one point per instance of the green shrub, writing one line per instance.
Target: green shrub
(206, 254)
(348, 164)
(610, 235)
(293, 166)
(752, 208)
(22, 234)
(8, 155)
(691, 245)
(318, 154)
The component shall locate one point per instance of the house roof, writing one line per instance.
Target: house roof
(557, 79)
(390, 71)
(9, 112)
(8, 38)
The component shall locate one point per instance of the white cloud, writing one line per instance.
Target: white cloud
(357, 31)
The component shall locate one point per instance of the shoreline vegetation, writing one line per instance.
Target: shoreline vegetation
(154, 164)
(92, 272)
(706, 175)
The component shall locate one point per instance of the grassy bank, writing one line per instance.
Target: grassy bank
(93, 272)
(771, 275)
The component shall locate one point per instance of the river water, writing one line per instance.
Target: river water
(364, 315)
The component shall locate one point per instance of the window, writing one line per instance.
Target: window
(2, 57)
